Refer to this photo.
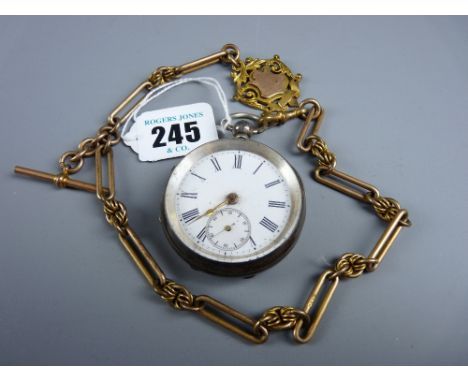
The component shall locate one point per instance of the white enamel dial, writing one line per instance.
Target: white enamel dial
(233, 204)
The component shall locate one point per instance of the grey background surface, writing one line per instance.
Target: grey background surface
(395, 91)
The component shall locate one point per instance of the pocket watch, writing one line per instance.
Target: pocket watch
(233, 207)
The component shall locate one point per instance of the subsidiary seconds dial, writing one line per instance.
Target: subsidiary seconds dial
(228, 229)
(233, 207)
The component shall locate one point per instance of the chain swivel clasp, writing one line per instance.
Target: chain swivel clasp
(277, 118)
(244, 128)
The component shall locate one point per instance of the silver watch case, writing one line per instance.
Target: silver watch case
(270, 255)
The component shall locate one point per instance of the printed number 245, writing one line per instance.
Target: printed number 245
(192, 134)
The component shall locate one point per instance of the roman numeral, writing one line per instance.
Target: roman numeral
(238, 161)
(198, 176)
(190, 215)
(252, 241)
(202, 234)
(190, 195)
(216, 165)
(274, 183)
(258, 168)
(272, 203)
(268, 224)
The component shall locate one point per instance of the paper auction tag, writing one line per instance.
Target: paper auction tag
(171, 132)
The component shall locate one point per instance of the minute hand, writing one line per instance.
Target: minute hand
(232, 198)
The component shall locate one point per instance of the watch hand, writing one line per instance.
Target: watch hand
(231, 198)
(226, 228)
(217, 233)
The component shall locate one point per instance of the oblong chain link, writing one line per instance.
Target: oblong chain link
(101, 193)
(212, 309)
(321, 307)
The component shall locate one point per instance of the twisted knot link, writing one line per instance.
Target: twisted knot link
(163, 74)
(279, 318)
(320, 150)
(177, 295)
(387, 208)
(351, 265)
(116, 214)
